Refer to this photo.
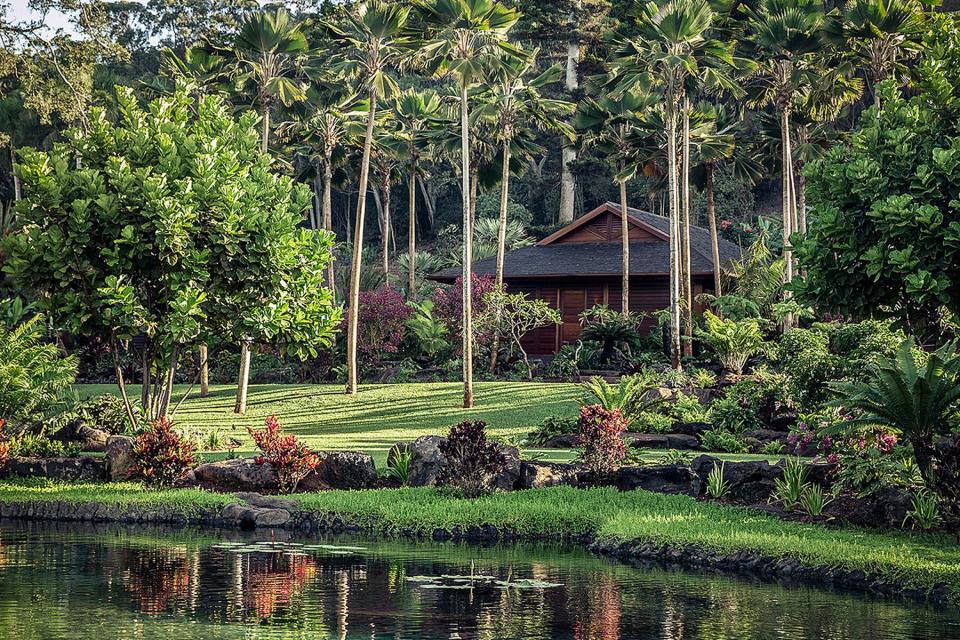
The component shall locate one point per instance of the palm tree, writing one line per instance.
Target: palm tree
(466, 39)
(269, 50)
(881, 35)
(414, 111)
(785, 35)
(611, 125)
(672, 46)
(388, 148)
(371, 42)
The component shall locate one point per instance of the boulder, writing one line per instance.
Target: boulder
(241, 474)
(426, 463)
(751, 482)
(661, 441)
(692, 428)
(88, 438)
(760, 438)
(78, 469)
(536, 475)
(119, 458)
(341, 470)
(670, 478)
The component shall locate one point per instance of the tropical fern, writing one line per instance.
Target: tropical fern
(33, 375)
(731, 341)
(627, 395)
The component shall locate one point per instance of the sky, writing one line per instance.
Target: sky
(20, 10)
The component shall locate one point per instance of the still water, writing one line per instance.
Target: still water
(102, 582)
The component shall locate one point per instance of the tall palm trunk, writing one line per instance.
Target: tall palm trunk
(568, 152)
(16, 178)
(467, 250)
(687, 281)
(624, 250)
(712, 222)
(386, 227)
(412, 231)
(788, 206)
(354, 304)
(202, 353)
(243, 383)
(501, 239)
(328, 219)
(801, 199)
(674, 233)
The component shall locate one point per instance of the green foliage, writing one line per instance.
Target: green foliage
(675, 457)
(884, 231)
(924, 514)
(789, 489)
(33, 375)
(398, 464)
(702, 378)
(514, 315)
(751, 403)
(170, 223)
(551, 427)
(758, 281)
(732, 341)
(804, 356)
(651, 422)
(161, 456)
(105, 412)
(717, 485)
(773, 448)
(429, 332)
(916, 401)
(813, 500)
(867, 472)
(617, 333)
(686, 408)
(626, 396)
(721, 440)
(33, 445)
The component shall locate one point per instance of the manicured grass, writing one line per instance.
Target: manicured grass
(379, 415)
(119, 493)
(919, 561)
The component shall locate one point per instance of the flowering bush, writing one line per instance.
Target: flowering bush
(472, 460)
(601, 439)
(291, 460)
(448, 306)
(382, 324)
(161, 455)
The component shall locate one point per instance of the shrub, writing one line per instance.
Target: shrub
(448, 306)
(789, 489)
(383, 324)
(717, 485)
(472, 459)
(702, 378)
(924, 514)
(618, 334)
(813, 500)
(105, 412)
(31, 445)
(291, 460)
(601, 438)
(33, 375)
(161, 455)
(733, 342)
(398, 463)
(721, 440)
(803, 355)
(551, 427)
(860, 345)
(651, 422)
(751, 403)
(428, 330)
(686, 408)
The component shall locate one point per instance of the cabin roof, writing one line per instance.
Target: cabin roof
(557, 257)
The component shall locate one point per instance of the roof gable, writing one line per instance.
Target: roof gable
(603, 224)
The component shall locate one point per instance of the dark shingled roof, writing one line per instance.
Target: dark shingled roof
(603, 258)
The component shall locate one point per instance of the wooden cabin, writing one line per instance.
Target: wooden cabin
(580, 266)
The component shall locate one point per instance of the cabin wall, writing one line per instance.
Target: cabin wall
(572, 296)
(606, 228)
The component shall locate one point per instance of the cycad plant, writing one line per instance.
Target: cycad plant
(732, 341)
(627, 395)
(915, 400)
(33, 375)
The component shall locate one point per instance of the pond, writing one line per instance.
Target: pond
(84, 581)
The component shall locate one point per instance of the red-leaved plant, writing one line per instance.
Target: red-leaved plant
(161, 456)
(4, 444)
(601, 432)
(291, 460)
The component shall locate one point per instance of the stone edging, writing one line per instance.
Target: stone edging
(266, 512)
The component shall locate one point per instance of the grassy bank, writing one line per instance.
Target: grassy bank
(919, 561)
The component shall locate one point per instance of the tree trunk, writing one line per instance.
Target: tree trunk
(17, 194)
(687, 280)
(328, 221)
(674, 234)
(265, 131)
(788, 207)
(204, 371)
(168, 384)
(568, 152)
(412, 231)
(801, 199)
(118, 371)
(467, 250)
(501, 240)
(624, 250)
(240, 406)
(386, 228)
(712, 222)
(147, 365)
(353, 310)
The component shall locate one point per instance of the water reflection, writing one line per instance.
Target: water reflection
(61, 581)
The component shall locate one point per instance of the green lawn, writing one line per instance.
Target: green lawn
(380, 414)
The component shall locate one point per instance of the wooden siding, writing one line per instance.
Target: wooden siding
(606, 228)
